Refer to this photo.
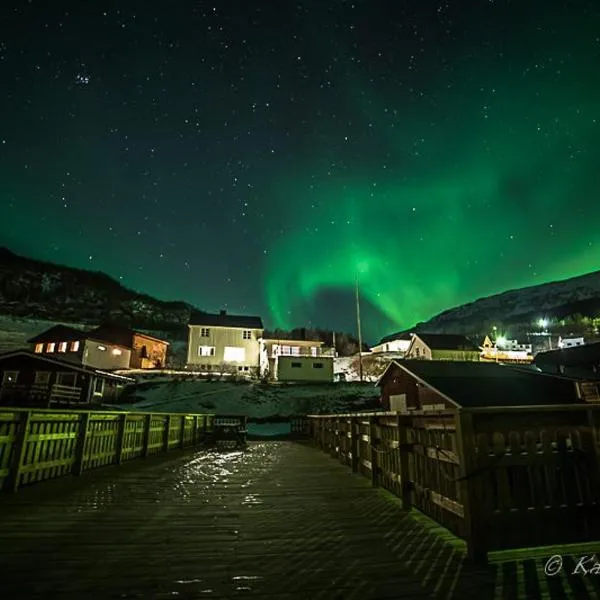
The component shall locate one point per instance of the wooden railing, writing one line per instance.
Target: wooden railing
(36, 445)
(499, 478)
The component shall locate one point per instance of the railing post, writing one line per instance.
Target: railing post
(334, 437)
(405, 480)
(474, 524)
(147, 428)
(373, 447)
(354, 443)
(82, 434)
(166, 433)
(195, 436)
(182, 435)
(12, 481)
(120, 438)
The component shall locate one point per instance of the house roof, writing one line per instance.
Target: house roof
(43, 358)
(121, 335)
(58, 332)
(292, 342)
(471, 384)
(587, 354)
(447, 341)
(224, 320)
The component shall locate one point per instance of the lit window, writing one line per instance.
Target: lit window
(62, 347)
(206, 351)
(102, 348)
(10, 377)
(296, 365)
(247, 334)
(317, 365)
(39, 348)
(74, 346)
(204, 332)
(234, 354)
(51, 347)
(117, 351)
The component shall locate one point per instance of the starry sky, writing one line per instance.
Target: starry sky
(261, 156)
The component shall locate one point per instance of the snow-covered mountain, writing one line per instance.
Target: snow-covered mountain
(519, 309)
(38, 290)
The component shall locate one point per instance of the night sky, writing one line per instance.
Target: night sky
(256, 156)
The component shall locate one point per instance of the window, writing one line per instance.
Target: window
(296, 365)
(234, 354)
(68, 379)
(117, 351)
(10, 377)
(240, 368)
(102, 348)
(247, 334)
(317, 365)
(62, 347)
(204, 332)
(51, 346)
(246, 368)
(39, 348)
(98, 386)
(42, 377)
(206, 351)
(290, 350)
(74, 346)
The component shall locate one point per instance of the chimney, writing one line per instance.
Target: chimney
(222, 312)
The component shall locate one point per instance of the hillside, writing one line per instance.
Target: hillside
(519, 309)
(38, 290)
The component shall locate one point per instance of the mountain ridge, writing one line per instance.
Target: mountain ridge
(518, 308)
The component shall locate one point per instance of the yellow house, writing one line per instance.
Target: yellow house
(224, 343)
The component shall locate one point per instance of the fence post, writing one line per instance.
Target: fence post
(195, 436)
(373, 447)
(82, 434)
(334, 437)
(474, 525)
(403, 448)
(120, 438)
(147, 426)
(12, 481)
(182, 435)
(354, 443)
(166, 433)
(595, 472)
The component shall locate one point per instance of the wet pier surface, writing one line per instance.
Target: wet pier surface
(279, 521)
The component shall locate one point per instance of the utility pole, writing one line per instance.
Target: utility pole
(360, 364)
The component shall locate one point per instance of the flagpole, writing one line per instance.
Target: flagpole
(360, 364)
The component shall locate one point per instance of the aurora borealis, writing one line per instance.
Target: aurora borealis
(259, 156)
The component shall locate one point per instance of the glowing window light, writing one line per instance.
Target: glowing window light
(234, 354)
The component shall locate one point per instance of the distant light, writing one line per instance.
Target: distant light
(501, 341)
(543, 323)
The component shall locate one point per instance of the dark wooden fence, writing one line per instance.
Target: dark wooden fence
(498, 478)
(36, 445)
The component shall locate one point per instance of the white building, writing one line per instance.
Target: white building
(296, 360)
(224, 343)
(570, 342)
(81, 347)
(397, 344)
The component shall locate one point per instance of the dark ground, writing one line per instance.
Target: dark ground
(279, 521)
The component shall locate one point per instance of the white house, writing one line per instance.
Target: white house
(570, 342)
(81, 347)
(224, 343)
(399, 343)
(296, 360)
(504, 350)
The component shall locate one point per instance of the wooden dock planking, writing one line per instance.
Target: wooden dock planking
(279, 521)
